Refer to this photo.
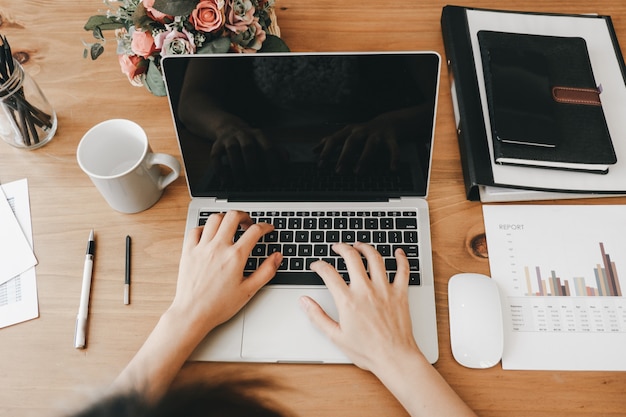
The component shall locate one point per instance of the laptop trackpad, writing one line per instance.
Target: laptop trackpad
(276, 328)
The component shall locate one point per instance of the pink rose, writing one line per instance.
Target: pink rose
(133, 66)
(175, 43)
(208, 16)
(239, 15)
(142, 43)
(153, 13)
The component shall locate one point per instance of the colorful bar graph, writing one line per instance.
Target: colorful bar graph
(605, 275)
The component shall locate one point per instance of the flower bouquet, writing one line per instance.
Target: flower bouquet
(147, 30)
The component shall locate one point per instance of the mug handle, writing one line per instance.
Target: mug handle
(170, 162)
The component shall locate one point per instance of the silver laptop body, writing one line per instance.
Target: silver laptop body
(297, 127)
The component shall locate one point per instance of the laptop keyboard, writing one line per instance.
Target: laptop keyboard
(304, 237)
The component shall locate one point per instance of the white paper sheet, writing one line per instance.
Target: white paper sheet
(607, 73)
(563, 301)
(18, 296)
(16, 254)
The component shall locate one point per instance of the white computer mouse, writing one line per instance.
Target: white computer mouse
(476, 332)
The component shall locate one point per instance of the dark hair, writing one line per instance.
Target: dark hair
(230, 398)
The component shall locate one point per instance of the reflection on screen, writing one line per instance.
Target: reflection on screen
(304, 126)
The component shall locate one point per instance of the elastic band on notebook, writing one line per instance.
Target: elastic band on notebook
(569, 95)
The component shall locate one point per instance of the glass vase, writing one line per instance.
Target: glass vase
(27, 120)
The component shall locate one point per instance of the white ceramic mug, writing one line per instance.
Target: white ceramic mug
(116, 155)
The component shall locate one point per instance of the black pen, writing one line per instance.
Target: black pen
(127, 273)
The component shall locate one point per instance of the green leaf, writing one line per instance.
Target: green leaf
(175, 7)
(274, 44)
(153, 80)
(217, 46)
(97, 33)
(103, 23)
(96, 50)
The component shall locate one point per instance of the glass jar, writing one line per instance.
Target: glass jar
(27, 120)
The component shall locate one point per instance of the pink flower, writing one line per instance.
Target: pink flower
(208, 16)
(175, 43)
(153, 13)
(142, 43)
(239, 15)
(133, 66)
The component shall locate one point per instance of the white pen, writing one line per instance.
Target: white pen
(83, 308)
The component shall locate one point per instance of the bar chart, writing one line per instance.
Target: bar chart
(605, 282)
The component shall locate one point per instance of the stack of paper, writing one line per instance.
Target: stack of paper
(18, 288)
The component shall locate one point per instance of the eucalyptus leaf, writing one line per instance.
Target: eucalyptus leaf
(97, 33)
(153, 80)
(175, 7)
(96, 50)
(273, 43)
(103, 23)
(217, 46)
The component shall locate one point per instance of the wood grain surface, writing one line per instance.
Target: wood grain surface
(40, 371)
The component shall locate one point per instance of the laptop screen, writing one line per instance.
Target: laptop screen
(305, 127)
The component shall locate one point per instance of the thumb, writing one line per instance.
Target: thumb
(265, 272)
(319, 318)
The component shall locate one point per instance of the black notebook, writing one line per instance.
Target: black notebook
(544, 103)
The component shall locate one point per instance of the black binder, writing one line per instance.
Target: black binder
(472, 136)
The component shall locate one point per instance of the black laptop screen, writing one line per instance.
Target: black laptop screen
(304, 127)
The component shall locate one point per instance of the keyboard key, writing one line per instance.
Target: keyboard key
(302, 236)
(296, 264)
(305, 250)
(386, 223)
(259, 250)
(371, 223)
(364, 236)
(290, 250)
(287, 236)
(379, 237)
(271, 236)
(406, 223)
(385, 250)
(410, 236)
(320, 250)
(356, 223)
(394, 237)
(348, 236)
(309, 223)
(301, 277)
(295, 223)
(325, 223)
(317, 236)
(332, 236)
(411, 251)
(272, 248)
(251, 264)
(340, 223)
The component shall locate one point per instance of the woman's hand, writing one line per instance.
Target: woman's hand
(211, 285)
(374, 320)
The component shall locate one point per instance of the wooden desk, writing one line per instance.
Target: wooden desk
(40, 371)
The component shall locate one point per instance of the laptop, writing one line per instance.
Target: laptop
(327, 147)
